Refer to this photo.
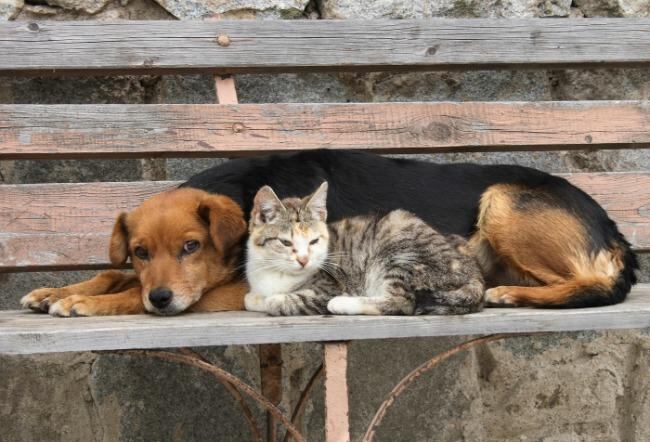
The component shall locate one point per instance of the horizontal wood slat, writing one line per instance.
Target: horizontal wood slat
(99, 131)
(82, 47)
(23, 332)
(64, 225)
(67, 225)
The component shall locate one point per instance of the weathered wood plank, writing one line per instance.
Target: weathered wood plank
(68, 225)
(81, 47)
(23, 332)
(87, 131)
(626, 197)
(64, 225)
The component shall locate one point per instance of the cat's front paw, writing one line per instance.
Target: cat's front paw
(254, 302)
(344, 305)
(276, 305)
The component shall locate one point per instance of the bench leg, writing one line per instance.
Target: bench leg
(337, 428)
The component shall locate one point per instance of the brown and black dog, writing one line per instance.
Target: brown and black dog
(540, 241)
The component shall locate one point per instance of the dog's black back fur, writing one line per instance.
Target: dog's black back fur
(444, 195)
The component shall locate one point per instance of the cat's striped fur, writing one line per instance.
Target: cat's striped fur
(376, 265)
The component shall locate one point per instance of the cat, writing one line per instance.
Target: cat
(394, 264)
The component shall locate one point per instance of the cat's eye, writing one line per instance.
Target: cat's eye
(313, 241)
(286, 242)
(141, 253)
(190, 246)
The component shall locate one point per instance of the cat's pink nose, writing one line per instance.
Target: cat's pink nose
(302, 260)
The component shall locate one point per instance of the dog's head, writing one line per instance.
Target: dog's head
(182, 243)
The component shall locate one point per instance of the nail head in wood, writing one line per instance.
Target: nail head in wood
(223, 40)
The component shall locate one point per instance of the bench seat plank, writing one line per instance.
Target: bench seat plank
(147, 47)
(59, 226)
(23, 332)
(186, 130)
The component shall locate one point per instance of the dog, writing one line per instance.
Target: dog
(539, 240)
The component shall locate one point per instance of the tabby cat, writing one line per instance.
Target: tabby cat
(370, 265)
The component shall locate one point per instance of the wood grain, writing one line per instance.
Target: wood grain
(146, 47)
(64, 225)
(68, 225)
(23, 332)
(167, 130)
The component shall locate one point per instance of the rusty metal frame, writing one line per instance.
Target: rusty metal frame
(407, 380)
(334, 371)
(232, 382)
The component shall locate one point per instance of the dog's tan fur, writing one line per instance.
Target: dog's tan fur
(205, 280)
(537, 257)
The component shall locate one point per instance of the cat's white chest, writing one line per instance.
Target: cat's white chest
(268, 283)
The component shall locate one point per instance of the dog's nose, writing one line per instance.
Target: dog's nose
(160, 297)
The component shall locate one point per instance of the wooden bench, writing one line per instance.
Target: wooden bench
(66, 226)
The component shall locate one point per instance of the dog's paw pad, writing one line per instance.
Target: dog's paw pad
(499, 296)
(71, 306)
(40, 300)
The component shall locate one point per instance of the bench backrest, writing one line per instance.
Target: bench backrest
(66, 226)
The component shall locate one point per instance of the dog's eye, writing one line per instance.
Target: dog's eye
(286, 242)
(314, 241)
(190, 246)
(141, 253)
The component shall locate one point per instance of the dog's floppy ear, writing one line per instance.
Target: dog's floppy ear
(118, 250)
(225, 219)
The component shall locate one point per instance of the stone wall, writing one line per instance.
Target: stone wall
(565, 387)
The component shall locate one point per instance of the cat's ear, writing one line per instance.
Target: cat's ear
(317, 203)
(266, 206)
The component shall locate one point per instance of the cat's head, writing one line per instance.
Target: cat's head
(291, 235)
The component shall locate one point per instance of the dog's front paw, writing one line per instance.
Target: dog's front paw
(40, 300)
(254, 302)
(75, 305)
(499, 297)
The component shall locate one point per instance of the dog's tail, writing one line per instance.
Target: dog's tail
(604, 280)
(603, 288)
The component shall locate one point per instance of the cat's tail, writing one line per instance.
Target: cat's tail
(466, 299)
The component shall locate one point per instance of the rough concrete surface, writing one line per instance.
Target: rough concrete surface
(569, 387)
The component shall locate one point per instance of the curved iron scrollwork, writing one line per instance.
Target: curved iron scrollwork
(407, 380)
(235, 386)
(188, 357)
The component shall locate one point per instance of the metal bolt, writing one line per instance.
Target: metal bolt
(238, 128)
(223, 40)
(33, 27)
